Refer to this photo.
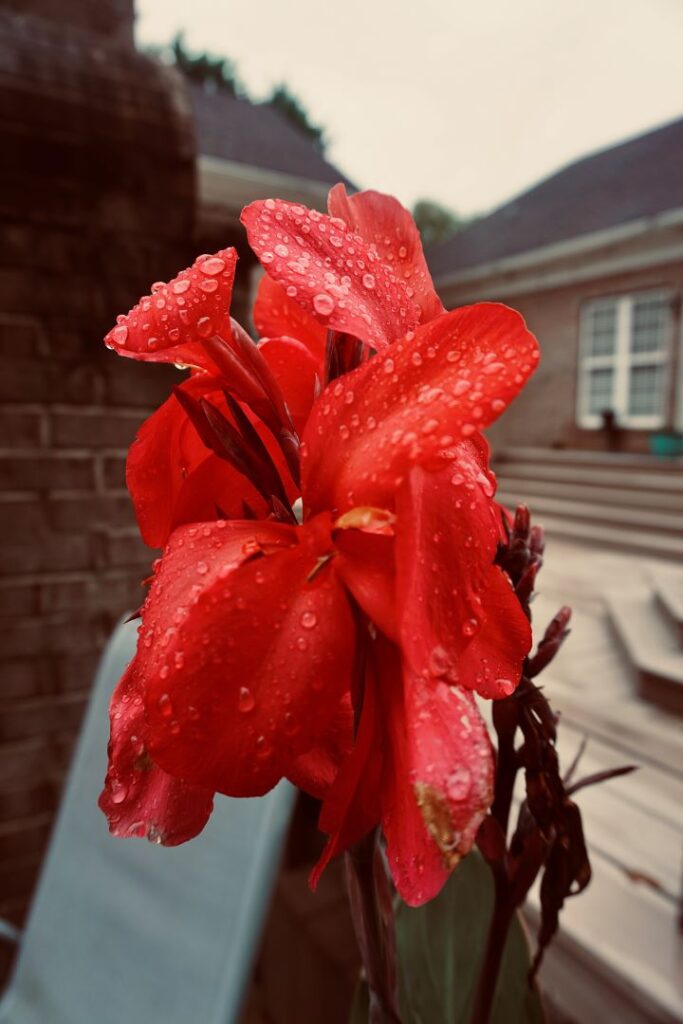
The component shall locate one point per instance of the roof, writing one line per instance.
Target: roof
(232, 128)
(635, 179)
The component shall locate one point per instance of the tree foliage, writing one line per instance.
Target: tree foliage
(219, 74)
(287, 104)
(437, 223)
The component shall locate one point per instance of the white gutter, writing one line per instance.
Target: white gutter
(231, 185)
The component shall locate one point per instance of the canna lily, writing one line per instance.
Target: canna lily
(344, 651)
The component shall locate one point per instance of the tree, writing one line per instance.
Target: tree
(213, 73)
(287, 104)
(436, 222)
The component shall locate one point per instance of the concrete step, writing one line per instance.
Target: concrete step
(668, 589)
(644, 520)
(650, 644)
(591, 493)
(604, 477)
(598, 460)
(641, 542)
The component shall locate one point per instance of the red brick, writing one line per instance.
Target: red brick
(21, 518)
(114, 471)
(21, 429)
(59, 595)
(39, 758)
(25, 838)
(42, 716)
(98, 428)
(36, 471)
(125, 548)
(40, 553)
(54, 635)
(87, 511)
(27, 677)
(18, 597)
(24, 380)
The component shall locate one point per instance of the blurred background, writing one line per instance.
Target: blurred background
(541, 149)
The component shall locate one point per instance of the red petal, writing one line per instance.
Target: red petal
(353, 804)
(139, 799)
(365, 562)
(382, 221)
(405, 406)
(315, 771)
(460, 620)
(168, 325)
(245, 667)
(296, 372)
(339, 279)
(438, 782)
(276, 315)
(173, 479)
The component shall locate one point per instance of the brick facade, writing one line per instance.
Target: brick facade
(544, 415)
(97, 199)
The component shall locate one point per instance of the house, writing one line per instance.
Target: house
(593, 258)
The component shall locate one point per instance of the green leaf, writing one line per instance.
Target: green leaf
(440, 949)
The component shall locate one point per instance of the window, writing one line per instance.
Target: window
(624, 356)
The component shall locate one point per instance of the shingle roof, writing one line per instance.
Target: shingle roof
(637, 178)
(257, 135)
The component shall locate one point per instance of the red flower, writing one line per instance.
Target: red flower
(261, 638)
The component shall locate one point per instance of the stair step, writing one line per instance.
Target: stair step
(660, 484)
(651, 646)
(668, 588)
(645, 520)
(632, 497)
(603, 460)
(637, 541)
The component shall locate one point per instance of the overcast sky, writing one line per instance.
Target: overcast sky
(466, 103)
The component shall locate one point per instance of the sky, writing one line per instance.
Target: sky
(464, 103)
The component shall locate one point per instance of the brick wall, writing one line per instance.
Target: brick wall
(96, 201)
(545, 412)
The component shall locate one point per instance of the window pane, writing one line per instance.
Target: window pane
(600, 383)
(649, 324)
(601, 328)
(646, 391)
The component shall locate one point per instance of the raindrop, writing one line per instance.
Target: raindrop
(506, 686)
(164, 705)
(205, 327)
(119, 792)
(214, 265)
(309, 620)
(246, 701)
(323, 304)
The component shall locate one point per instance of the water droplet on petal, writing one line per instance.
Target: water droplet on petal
(205, 327)
(309, 620)
(213, 266)
(246, 701)
(323, 304)
(164, 705)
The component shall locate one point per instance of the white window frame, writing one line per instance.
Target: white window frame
(621, 362)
